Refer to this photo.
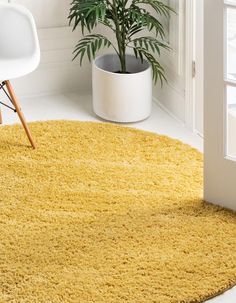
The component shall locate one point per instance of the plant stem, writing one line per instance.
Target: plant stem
(120, 36)
(123, 38)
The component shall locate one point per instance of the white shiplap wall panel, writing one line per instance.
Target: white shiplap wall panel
(48, 13)
(172, 95)
(56, 72)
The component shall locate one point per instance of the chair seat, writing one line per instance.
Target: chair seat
(14, 68)
(19, 45)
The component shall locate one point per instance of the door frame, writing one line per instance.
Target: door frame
(194, 66)
(189, 49)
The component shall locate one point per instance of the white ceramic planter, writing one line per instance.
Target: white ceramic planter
(122, 97)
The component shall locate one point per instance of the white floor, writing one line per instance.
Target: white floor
(75, 107)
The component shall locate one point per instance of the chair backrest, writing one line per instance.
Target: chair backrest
(18, 34)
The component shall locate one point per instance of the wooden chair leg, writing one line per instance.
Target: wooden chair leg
(19, 112)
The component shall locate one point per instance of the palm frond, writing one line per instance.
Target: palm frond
(127, 19)
(157, 70)
(150, 44)
(158, 6)
(145, 20)
(87, 13)
(90, 45)
(133, 30)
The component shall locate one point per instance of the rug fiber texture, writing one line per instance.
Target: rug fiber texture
(101, 213)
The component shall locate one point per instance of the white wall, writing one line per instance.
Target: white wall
(56, 73)
(172, 95)
(47, 13)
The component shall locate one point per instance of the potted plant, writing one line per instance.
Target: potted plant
(122, 81)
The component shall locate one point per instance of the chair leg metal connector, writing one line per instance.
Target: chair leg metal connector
(6, 93)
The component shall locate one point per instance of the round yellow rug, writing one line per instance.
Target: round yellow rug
(104, 213)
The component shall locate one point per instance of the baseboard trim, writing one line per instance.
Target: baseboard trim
(51, 93)
(165, 109)
(199, 134)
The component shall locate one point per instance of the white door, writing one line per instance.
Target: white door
(220, 102)
(199, 65)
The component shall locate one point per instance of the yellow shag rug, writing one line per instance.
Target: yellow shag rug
(107, 214)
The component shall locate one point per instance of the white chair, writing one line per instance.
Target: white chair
(19, 52)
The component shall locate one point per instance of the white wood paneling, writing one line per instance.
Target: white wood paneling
(56, 72)
(48, 13)
(172, 94)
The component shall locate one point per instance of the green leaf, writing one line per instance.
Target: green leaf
(87, 13)
(90, 45)
(145, 20)
(158, 6)
(151, 43)
(157, 69)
